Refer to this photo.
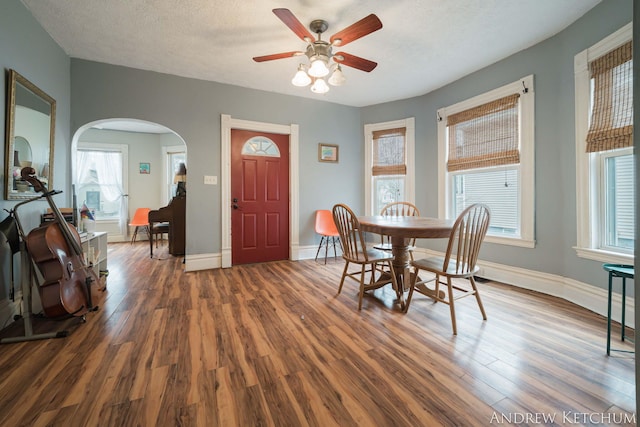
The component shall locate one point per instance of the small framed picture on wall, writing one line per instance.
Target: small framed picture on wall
(145, 168)
(327, 153)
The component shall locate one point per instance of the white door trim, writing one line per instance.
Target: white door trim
(228, 123)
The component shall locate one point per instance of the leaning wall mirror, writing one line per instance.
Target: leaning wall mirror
(30, 130)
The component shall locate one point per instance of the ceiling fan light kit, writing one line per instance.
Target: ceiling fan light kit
(319, 86)
(321, 59)
(318, 66)
(337, 78)
(301, 78)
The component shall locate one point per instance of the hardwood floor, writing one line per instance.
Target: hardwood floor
(271, 344)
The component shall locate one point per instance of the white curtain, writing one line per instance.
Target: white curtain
(105, 168)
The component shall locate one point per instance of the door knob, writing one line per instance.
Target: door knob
(234, 206)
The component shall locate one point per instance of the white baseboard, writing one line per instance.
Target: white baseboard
(588, 296)
(309, 252)
(202, 262)
(208, 261)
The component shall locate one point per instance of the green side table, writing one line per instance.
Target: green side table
(624, 272)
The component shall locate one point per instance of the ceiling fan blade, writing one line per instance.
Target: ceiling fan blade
(354, 61)
(366, 25)
(296, 26)
(277, 56)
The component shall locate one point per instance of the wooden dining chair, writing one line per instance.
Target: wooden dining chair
(397, 209)
(459, 262)
(355, 251)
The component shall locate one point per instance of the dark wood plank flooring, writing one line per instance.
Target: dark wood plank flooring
(272, 345)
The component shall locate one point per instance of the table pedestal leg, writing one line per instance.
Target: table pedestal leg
(401, 265)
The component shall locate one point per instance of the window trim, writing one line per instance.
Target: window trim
(123, 149)
(98, 146)
(587, 167)
(601, 159)
(410, 188)
(526, 167)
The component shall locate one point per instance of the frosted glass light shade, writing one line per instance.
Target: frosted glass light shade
(320, 86)
(301, 78)
(318, 68)
(337, 78)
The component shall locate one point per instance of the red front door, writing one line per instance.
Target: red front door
(260, 197)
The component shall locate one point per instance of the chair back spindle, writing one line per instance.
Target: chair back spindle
(400, 209)
(467, 236)
(353, 243)
(397, 209)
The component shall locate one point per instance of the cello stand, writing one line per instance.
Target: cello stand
(26, 273)
(27, 279)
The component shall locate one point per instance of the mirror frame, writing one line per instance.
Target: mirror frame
(16, 79)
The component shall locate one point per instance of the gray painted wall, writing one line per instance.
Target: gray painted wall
(192, 109)
(27, 48)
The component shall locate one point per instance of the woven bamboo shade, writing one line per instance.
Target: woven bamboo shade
(612, 114)
(389, 152)
(484, 136)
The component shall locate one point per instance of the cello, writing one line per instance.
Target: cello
(70, 286)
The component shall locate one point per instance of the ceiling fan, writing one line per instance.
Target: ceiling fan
(319, 52)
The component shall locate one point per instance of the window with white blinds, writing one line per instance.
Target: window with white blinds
(486, 156)
(618, 203)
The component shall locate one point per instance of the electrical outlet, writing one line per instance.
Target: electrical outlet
(210, 180)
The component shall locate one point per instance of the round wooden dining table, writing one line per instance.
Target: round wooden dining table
(402, 229)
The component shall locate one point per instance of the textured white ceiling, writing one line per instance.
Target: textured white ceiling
(423, 45)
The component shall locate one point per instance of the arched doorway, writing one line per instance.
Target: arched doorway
(119, 165)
